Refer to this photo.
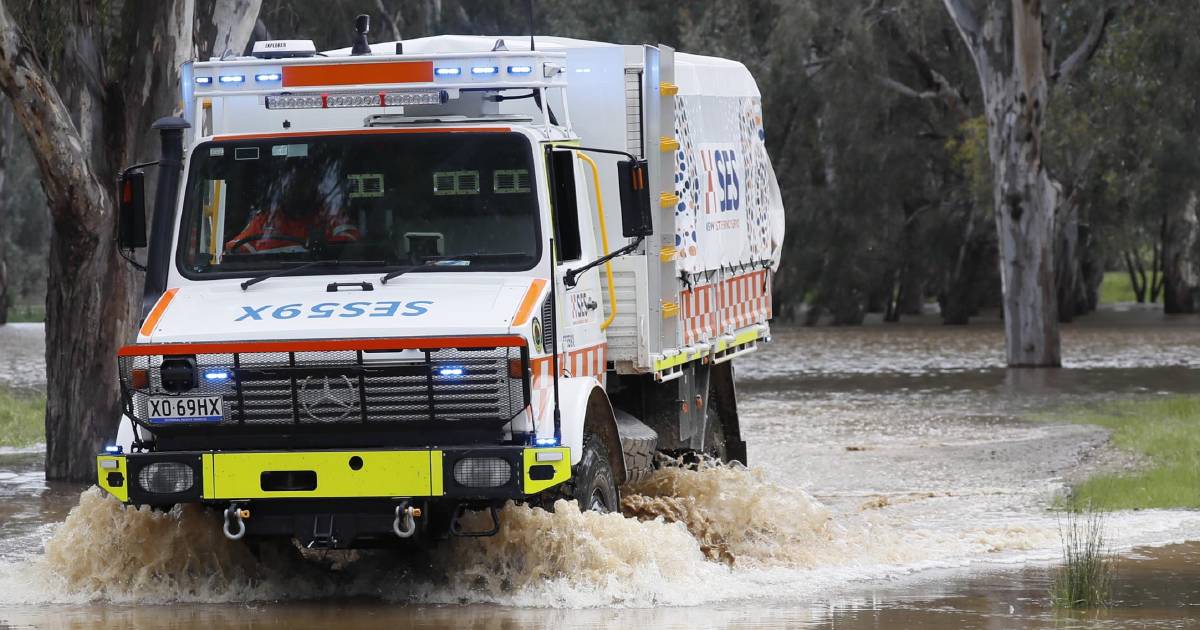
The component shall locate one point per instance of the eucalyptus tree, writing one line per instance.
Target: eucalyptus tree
(1015, 64)
(85, 80)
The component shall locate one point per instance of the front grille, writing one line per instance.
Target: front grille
(346, 386)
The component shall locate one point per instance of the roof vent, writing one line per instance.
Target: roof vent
(284, 48)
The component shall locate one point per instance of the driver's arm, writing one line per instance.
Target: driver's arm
(255, 225)
(340, 228)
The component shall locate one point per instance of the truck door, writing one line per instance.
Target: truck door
(580, 341)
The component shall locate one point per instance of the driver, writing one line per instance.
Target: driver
(298, 216)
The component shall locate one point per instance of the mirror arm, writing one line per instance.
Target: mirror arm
(128, 169)
(571, 278)
(595, 150)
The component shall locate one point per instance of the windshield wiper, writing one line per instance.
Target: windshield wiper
(458, 260)
(312, 263)
(429, 263)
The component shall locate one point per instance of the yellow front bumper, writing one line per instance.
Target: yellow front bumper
(228, 476)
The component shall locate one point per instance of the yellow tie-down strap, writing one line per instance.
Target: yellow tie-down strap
(348, 474)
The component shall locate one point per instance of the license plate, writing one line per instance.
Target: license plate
(173, 409)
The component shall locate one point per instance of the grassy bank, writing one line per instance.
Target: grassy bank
(1116, 287)
(22, 418)
(1166, 432)
(27, 313)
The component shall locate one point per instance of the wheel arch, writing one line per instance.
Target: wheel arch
(586, 409)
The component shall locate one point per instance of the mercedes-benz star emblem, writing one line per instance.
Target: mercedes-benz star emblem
(336, 393)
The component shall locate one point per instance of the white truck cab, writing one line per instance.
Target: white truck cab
(391, 284)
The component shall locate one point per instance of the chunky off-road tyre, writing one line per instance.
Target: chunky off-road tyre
(592, 485)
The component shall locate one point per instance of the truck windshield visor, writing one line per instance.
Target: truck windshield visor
(460, 201)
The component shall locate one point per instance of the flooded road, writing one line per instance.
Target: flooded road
(896, 481)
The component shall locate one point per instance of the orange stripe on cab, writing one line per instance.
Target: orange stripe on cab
(322, 345)
(358, 73)
(156, 313)
(531, 296)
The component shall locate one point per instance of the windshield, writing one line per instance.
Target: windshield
(448, 201)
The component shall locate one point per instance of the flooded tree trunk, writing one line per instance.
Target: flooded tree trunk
(90, 297)
(1181, 257)
(6, 208)
(1008, 48)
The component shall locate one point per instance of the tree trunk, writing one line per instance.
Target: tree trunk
(1181, 267)
(3, 287)
(90, 303)
(1013, 79)
(1068, 260)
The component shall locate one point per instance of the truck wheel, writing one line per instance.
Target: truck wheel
(592, 484)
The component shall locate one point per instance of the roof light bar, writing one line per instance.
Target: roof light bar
(520, 69)
(447, 72)
(269, 76)
(232, 78)
(357, 99)
(295, 101)
(428, 97)
(203, 80)
(485, 70)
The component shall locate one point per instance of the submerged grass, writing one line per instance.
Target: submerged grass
(22, 418)
(1164, 431)
(1085, 578)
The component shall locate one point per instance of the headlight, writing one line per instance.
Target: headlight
(166, 478)
(482, 472)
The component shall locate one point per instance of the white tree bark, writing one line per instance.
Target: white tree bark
(1012, 76)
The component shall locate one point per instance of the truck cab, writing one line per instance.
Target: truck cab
(388, 286)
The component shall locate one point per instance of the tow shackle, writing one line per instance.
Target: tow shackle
(233, 517)
(405, 524)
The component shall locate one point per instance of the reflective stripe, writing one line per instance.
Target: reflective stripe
(156, 313)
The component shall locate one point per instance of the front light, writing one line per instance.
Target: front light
(482, 472)
(166, 478)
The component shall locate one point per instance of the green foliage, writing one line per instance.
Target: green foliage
(22, 418)
(1085, 578)
(1166, 432)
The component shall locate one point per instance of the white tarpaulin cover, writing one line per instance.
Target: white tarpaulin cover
(730, 211)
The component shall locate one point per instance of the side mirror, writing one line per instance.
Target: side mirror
(131, 210)
(636, 217)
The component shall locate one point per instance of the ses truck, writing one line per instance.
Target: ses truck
(390, 284)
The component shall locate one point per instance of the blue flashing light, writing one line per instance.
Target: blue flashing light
(447, 72)
(270, 76)
(203, 80)
(520, 69)
(232, 78)
(217, 375)
(451, 371)
(546, 441)
(485, 70)
(113, 449)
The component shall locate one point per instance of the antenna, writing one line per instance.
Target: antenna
(532, 47)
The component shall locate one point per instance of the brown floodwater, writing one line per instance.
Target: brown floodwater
(897, 480)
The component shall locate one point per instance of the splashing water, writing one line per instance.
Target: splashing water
(681, 530)
(687, 536)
